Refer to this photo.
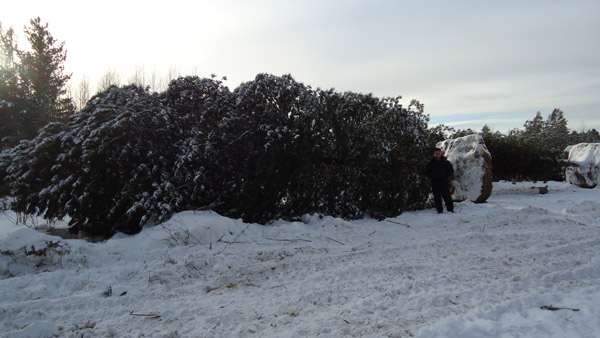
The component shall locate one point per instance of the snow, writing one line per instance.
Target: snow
(586, 156)
(485, 271)
(585, 153)
(7, 223)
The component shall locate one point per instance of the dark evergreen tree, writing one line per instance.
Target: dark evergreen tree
(274, 148)
(127, 141)
(513, 158)
(588, 136)
(551, 134)
(556, 132)
(109, 168)
(262, 141)
(462, 133)
(32, 172)
(439, 133)
(534, 130)
(5, 160)
(43, 82)
(304, 150)
(202, 170)
(10, 95)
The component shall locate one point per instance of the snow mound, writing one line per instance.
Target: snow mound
(334, 222)
(26, 238)
(27, 251)
(586, 169)
(472, 164)
(191, 228)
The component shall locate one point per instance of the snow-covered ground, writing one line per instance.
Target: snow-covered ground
(485, 271)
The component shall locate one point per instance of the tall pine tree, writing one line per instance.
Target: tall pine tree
(534, 130)
(43, 81)
(9, 89)
(556, 131)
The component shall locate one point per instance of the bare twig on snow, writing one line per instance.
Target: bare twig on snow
(288, 240)
(331, 239)
(553, 308)
(149, 315)
(406, 225)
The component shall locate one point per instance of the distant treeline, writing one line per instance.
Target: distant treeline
(533, 153)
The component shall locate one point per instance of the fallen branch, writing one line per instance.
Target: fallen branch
(9, 254)
(372, 232)
(331, 239)
(568, 219)
(406, 225)
(553, 308)
(233, 242)
(149, 315)
(288, 240)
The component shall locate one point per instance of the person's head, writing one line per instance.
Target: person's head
(437, 153)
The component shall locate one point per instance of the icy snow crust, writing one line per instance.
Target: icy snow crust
(484, 271)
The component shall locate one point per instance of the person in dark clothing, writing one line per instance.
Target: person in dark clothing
(439, 170)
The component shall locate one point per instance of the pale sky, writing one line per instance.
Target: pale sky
(470, 62)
